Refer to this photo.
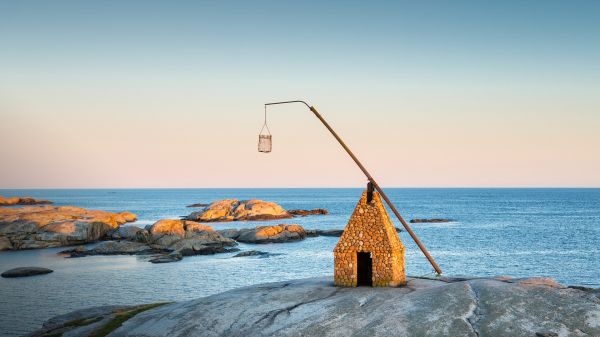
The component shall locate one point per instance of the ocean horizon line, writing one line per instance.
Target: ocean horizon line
(302, 188)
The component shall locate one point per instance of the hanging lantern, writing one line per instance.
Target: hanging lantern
(264, 143)
(264, 138)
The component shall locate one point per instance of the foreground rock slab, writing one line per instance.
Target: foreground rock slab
(484, 307)
(99, 321)
(26, 271)
(31, 227)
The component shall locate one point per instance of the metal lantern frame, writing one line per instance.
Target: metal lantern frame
(362, 168)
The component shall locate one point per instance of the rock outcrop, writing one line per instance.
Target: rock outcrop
(236, 210)
(26, 271)
(114, 248)
(11, 201)
(131, 233)
(168, 258)
(31, 227)
(188, 238)
(324, 232)
(5, 243)
(197, 205)
(441, 307)
(256, 253)
(266, 234)
(305, 212)
(173, 239)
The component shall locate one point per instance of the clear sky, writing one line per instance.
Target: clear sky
(170, 93)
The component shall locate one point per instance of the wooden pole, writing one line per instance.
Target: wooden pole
(372, 180)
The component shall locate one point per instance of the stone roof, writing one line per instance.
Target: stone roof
(369, 228)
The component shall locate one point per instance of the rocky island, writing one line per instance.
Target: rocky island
(168, 240)
(236, 210)
(32, 227)
(171, 240)
(475, 307)
(13, 201)
(246, 210)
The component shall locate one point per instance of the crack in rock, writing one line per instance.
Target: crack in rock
(475, 315)
(272, 315)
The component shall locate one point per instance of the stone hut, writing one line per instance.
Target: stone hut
(369, 252)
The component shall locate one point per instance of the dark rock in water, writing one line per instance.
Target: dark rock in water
(305, 212)
(197, 205)
(430, 220)
(173, 257)
(324, 232)
(256, 253)
(79, 251)
(26, 271)
(250, 253)
(206, 250)
(117, 248)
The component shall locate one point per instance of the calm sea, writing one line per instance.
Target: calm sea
(517, 232)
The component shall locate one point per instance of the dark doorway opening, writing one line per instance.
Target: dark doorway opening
(364, 266)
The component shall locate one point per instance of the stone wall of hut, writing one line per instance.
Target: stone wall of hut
(370, 230)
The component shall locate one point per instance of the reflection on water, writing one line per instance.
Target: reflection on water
(519, 232)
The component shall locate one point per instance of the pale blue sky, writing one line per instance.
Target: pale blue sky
(170, 93)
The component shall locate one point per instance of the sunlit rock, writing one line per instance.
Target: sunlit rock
(266, 234)
(236, 210)
(32, 227)
(11, 201)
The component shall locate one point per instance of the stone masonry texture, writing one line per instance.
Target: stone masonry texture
(370, 230)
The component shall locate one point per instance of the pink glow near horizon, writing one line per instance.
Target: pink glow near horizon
(154, 142)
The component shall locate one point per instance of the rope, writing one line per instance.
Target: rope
(265, 124)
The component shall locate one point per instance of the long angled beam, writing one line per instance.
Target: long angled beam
(372, 180)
